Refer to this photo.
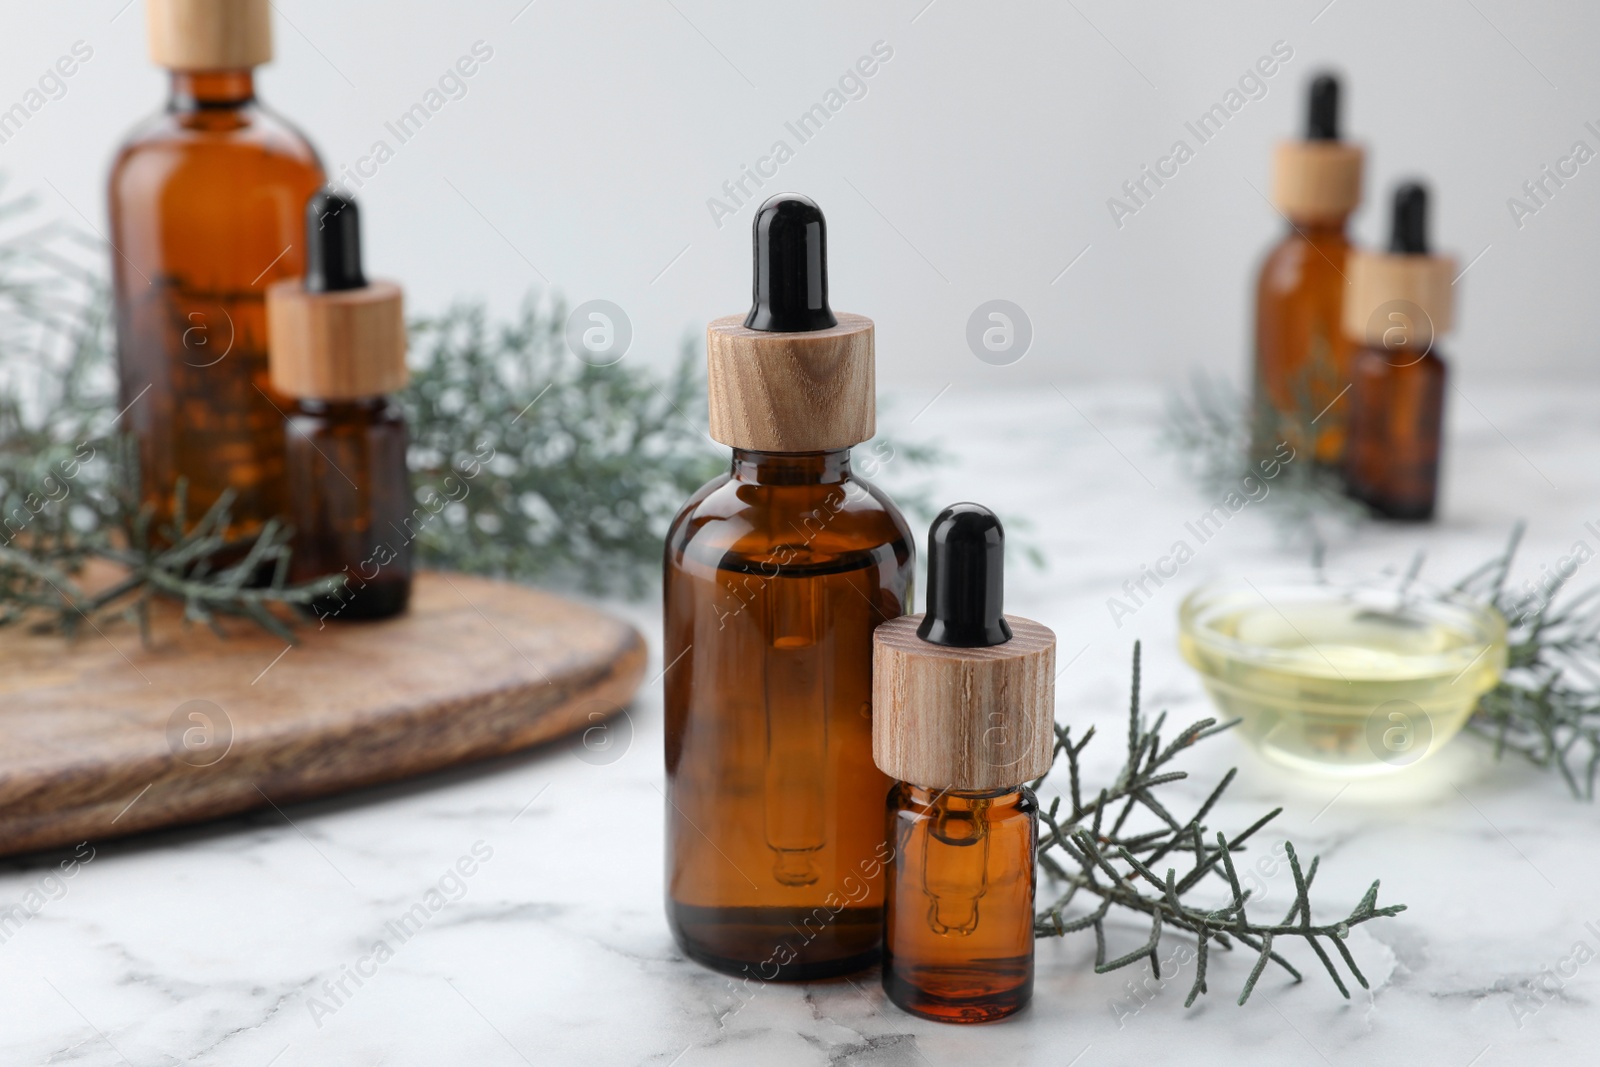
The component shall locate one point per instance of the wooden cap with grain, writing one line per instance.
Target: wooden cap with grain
(1316, 181)
(209, 34)
(333, 335)
(1397, 301)
(790, 376)
(809, 391)
(339, 345)
(963, 718)
(1402, 298)
(963, 695)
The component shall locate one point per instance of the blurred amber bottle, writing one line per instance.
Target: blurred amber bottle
(1302, 360)
(205, 207)
(1401, 302)
(775, 575)
(964, 698)
(338, 351)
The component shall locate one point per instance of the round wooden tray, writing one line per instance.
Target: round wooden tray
(106, 736)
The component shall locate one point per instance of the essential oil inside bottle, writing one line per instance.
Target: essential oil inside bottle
(959, 946)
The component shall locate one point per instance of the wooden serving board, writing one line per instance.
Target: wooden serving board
(106, 736)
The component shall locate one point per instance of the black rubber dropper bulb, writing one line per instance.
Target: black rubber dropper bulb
(966, 579)
(1409, 236)
(1322, 114)
(790, 239)
(333, 243)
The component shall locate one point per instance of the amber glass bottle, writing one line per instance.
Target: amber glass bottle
(205, 203)
(959, 918)
(337, 351)
(350, 502)
(1400, 303)
(965, 703)
(776, 574)
(1302, 359)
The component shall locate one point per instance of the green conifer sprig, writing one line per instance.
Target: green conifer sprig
(528, 463)
(1546, 708)
(1091, 851)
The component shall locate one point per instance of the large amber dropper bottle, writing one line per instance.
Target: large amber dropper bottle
(206, 203)
(965, 699)
(776, 574)
(1302, 360)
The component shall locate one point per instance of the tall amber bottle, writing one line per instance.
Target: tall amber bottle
(338, 349)
(965, 705)
(206, 202)
(1302, 359)
(776, 574)
(1400, 303)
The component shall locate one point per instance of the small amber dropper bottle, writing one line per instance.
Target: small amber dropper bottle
(205, 205)
(775, 575)
(338, 351)
(1302, 360)
(1400, 303)
(964, 709)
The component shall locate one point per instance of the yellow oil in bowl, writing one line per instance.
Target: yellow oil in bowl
(1342, 678)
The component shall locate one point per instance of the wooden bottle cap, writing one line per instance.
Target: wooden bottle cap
(1316, 181)
(1396, 301)
(963, 718)
(209, 34)
(338, 345)
(791, 392)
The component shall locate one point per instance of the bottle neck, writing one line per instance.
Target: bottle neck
(948, 802)
(959, 799)
(1401, 356)
(366, 406)
(791, 468)
(1316, 230)
(196, 90)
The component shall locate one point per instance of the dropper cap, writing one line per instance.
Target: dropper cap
(964, 696)
(790, 375)
(1408, 232)
(1318, 179)
(333, 243)
(791, 267)
(334, 335)
(1322, 109)
(966, 579)
(1403, 298)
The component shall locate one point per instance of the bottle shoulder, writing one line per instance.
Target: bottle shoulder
(1303, 258)
(1372, 361)
(818, 523)
(171, 141)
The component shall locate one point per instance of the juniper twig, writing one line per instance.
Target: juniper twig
(1081, 852)
(1546, 708)
(1220, 440)
(559, 470)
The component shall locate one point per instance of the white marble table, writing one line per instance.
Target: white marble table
(220, 944)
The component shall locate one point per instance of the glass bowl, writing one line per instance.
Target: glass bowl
(1342, 677)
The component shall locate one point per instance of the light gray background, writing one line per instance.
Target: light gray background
(977, 166)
